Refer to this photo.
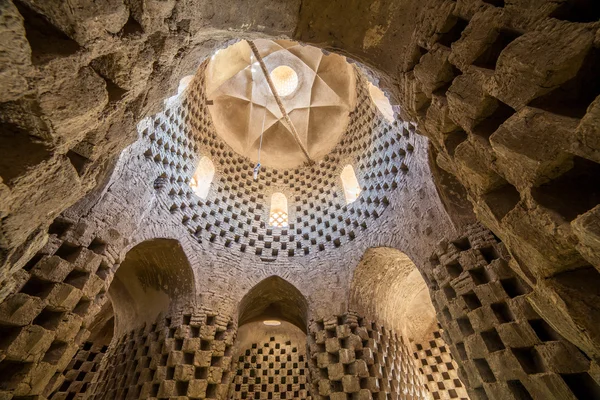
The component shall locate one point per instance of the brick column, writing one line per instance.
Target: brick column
(350, 355)
(183, 355)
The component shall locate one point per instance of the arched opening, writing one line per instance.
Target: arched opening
(278, 216)
(381, 102)
(154, 278)
(274, 299)
(388, 288)
(202, 178)
(270, 357)
(350, 184)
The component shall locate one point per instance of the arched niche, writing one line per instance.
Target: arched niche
(154, 277)
(388, 287)
(272, 323)
(274, 298)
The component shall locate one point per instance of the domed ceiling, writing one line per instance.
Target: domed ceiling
(317, 91)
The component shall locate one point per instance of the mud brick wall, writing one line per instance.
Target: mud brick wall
(504, 349)
(353, 357)
(439, 369)
(185, 355)
(44, 320)
(271, 370)
(80, 372)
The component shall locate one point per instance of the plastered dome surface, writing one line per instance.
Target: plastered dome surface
(317, 91)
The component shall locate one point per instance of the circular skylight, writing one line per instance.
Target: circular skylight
(285, 80)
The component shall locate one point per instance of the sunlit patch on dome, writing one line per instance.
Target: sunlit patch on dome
(285, 80)
(272, 322)
(381, 102)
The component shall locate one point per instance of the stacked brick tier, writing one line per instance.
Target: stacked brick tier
(505, 350)
(439, 369)
(272, 370)
(353, 358)
(44, 321)
(80, 372)
(509, 95)
(185, 356)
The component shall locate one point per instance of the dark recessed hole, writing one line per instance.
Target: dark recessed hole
(59, 226)
(115, 93)
(490, 124)
(443, 89)
(170, 373)
(48, 319)
(46, 41)
(462, 352)
(97, 246)
(502, 200)
(492, 340)
(544, 331)
(12, 373)
(211, 391)
(131, 28)
(480, 394)
(33, 262)
(82, 307)
(484, 370)
(453, 139)
(77, 278)
(55, 352)
(454, 33)
(19, 152)
(489, 57)
(573, 97)
(78, 161)
(515, 287)
(181, 387)
(489, 254)
(449, 292)
(7, 335)
(37, 287)
(502, 312)
(465, 326)
(582, 385)
(530, 360)
(578, 11)
(462, 244)
(573, 193)
(479, 276)
(67, 252)
(518, 390)
(454, 269)
(495, 3)
(472, 301)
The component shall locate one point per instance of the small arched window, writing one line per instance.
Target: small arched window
(350, 184)
(279, 211)
(200, 183)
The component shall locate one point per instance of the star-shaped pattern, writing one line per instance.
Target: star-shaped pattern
(244, 109)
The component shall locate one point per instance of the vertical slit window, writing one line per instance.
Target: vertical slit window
(279, 211)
